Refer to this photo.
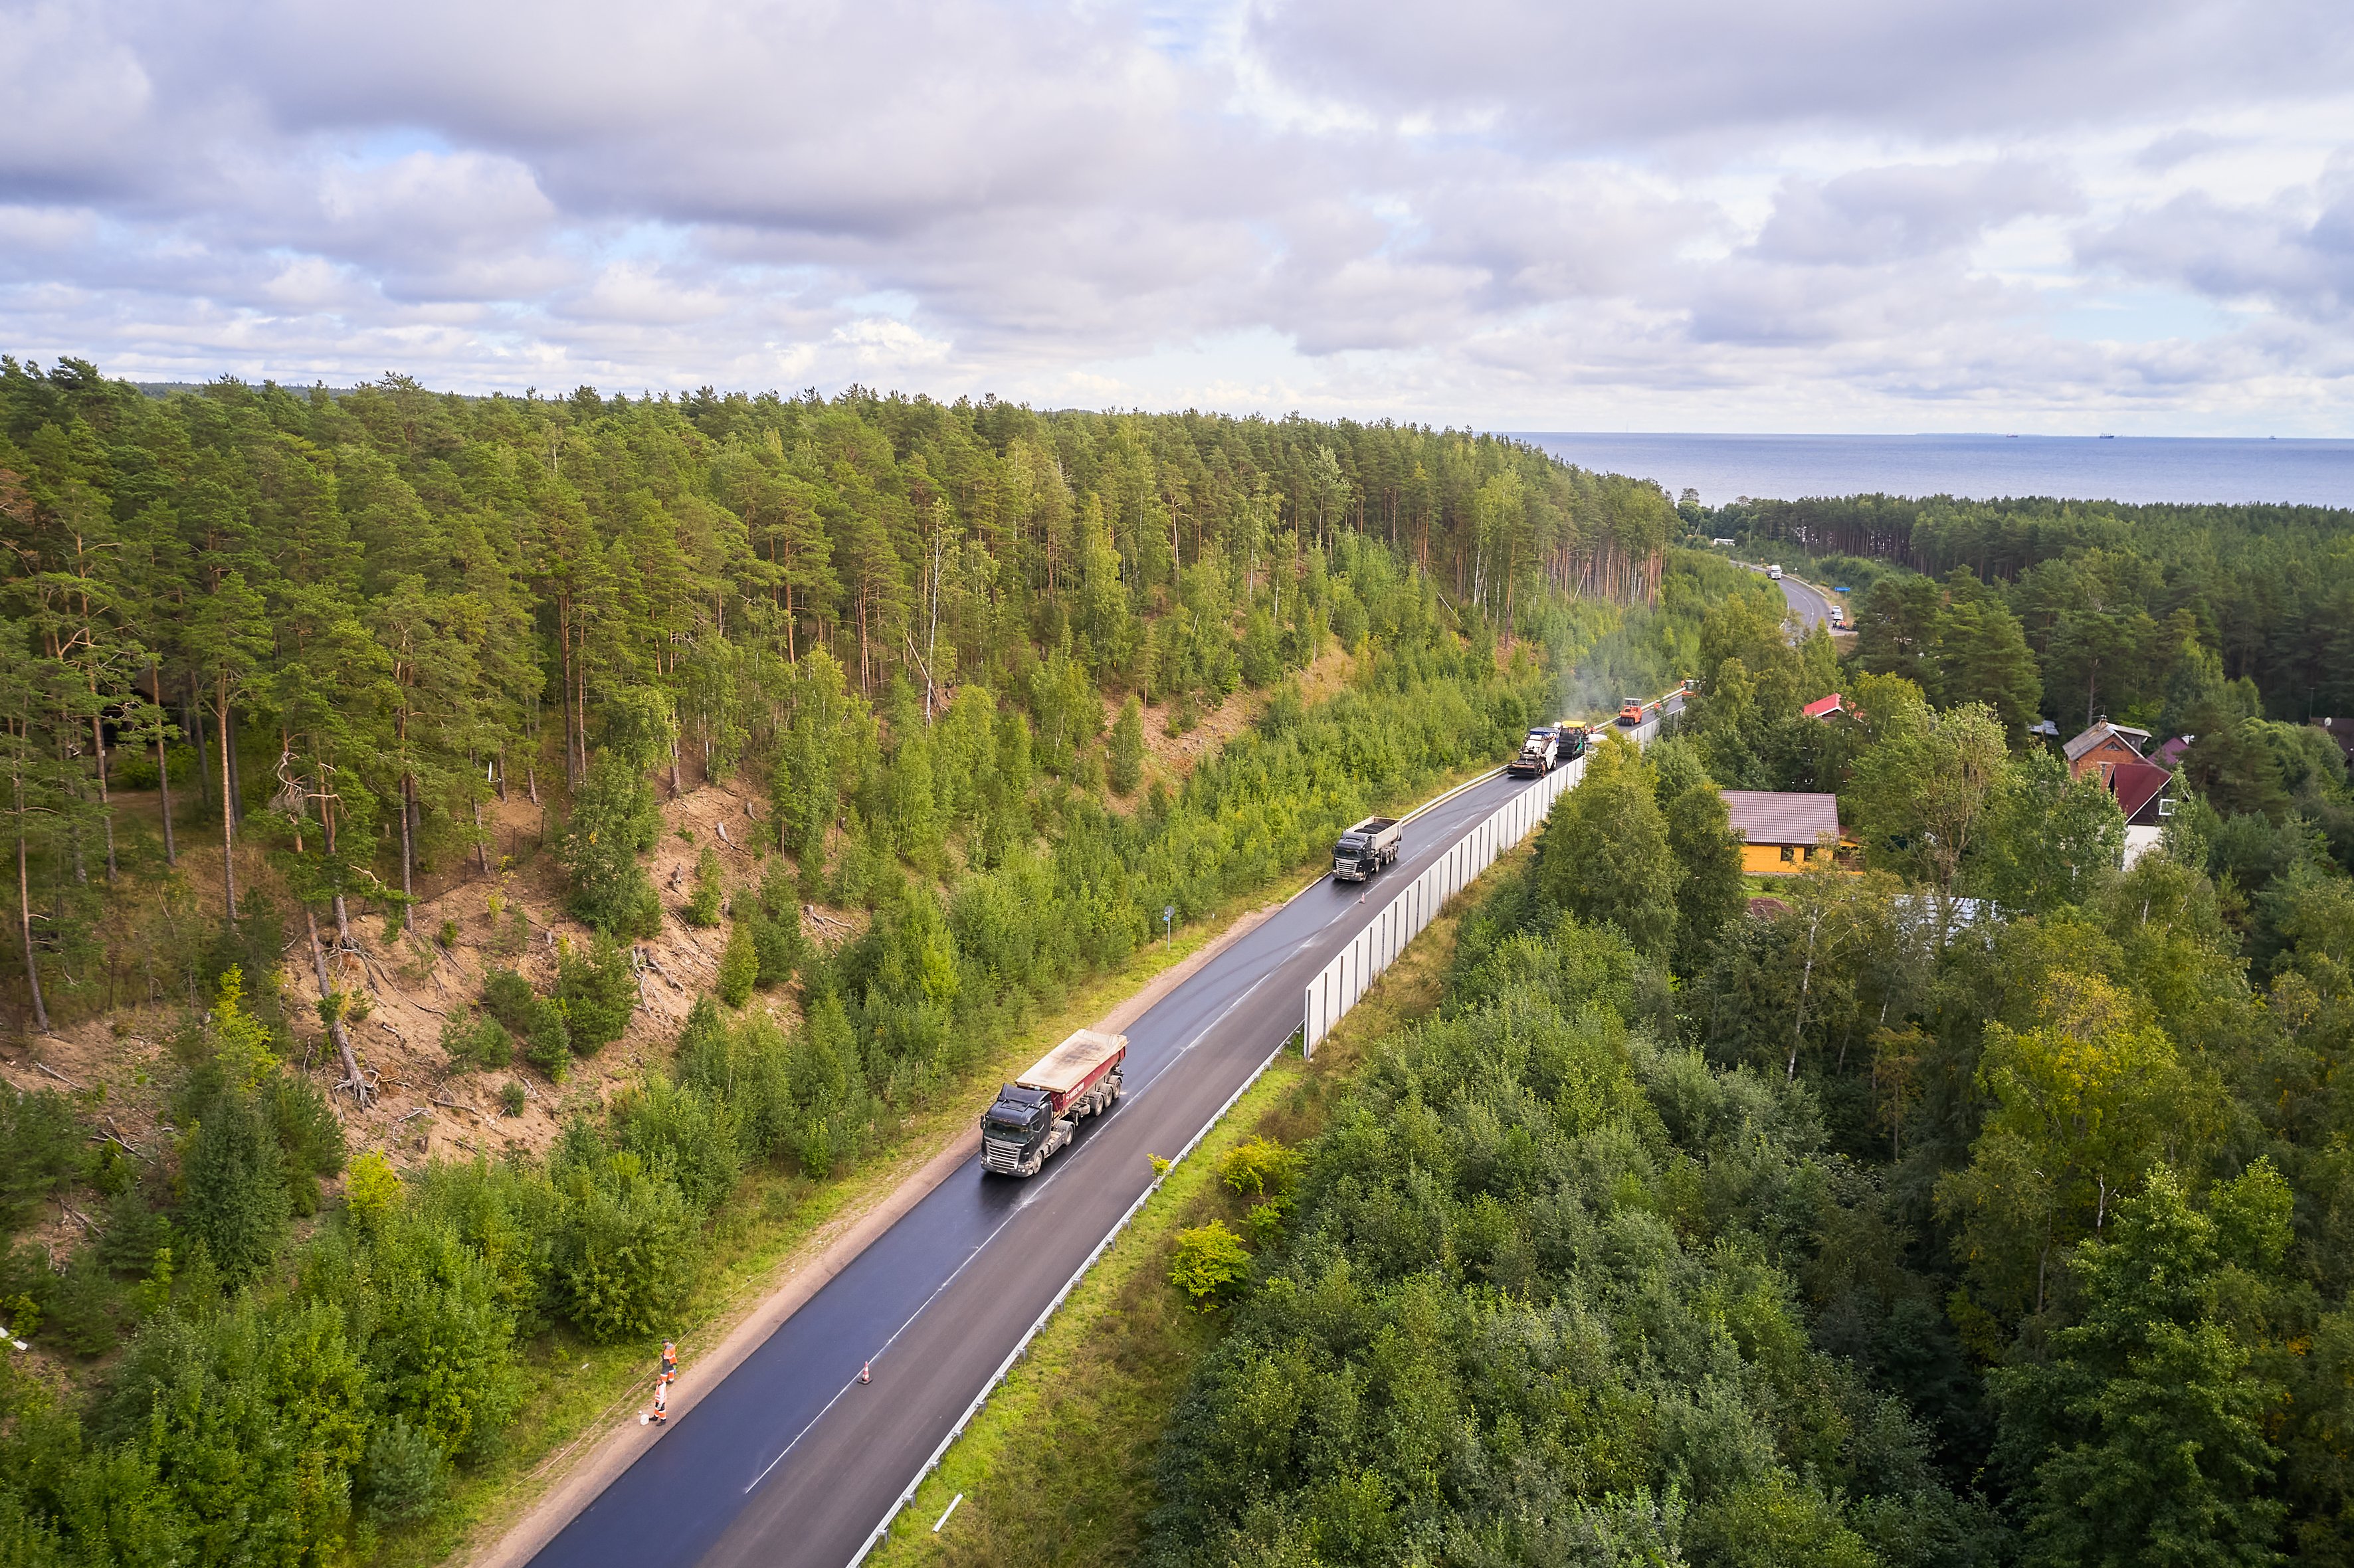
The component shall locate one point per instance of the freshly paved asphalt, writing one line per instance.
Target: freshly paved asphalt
(790, 1462)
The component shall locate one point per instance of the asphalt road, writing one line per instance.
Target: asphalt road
(791, 1462)
(1808, 605)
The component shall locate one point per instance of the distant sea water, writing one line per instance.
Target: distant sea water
(2075, 468)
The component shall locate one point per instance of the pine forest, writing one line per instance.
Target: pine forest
(491, 874)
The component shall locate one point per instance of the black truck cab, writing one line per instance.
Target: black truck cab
(1020, 1116)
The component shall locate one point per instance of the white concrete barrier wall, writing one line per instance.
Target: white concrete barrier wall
(1387, 933)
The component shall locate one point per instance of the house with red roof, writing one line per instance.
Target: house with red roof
(2146, 793)
(2103, 746)
(1825, 707)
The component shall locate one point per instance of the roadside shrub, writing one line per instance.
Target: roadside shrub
(683, 1131)
(833, 1111)
(442, 1344)
(1209, 1264)
(1257, 1168)
(623, 1246)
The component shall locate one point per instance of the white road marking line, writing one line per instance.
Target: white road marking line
(1028, 1198)
(877, 1356)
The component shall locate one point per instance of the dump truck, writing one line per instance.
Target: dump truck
(1537, 754)
(1040, 1111)
(1367, 848)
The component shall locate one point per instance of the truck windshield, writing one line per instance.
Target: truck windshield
(1014, 1119)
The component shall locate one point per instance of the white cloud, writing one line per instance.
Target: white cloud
(1722, 214)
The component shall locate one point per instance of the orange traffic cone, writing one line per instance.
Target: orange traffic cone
(866, 1372)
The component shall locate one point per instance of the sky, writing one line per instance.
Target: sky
(2128, 216)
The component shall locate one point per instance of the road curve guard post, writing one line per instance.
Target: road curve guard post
(1377, 944)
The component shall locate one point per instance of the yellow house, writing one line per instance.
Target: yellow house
(1781, 834)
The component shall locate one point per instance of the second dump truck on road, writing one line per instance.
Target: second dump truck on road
(1367, 848)
(1039, 1112)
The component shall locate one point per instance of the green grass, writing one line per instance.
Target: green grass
(1057, 1468)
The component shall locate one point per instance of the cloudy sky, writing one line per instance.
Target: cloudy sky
(2056, 216)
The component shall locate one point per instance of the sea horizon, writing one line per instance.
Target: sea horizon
(2290, 471)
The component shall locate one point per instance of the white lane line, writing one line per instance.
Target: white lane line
(932, 1463)
(894, 1339)
(1027, 1198)
(1030, 1197)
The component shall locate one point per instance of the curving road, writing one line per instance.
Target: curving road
(790, 1461)
(1810, 604)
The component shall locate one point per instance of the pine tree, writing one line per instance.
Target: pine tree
(32, 783)
(225, 633)
(703, 907)
(613, 821)
(1983, 657)
(739, 966)
(1128, 747)
(236, 1201)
